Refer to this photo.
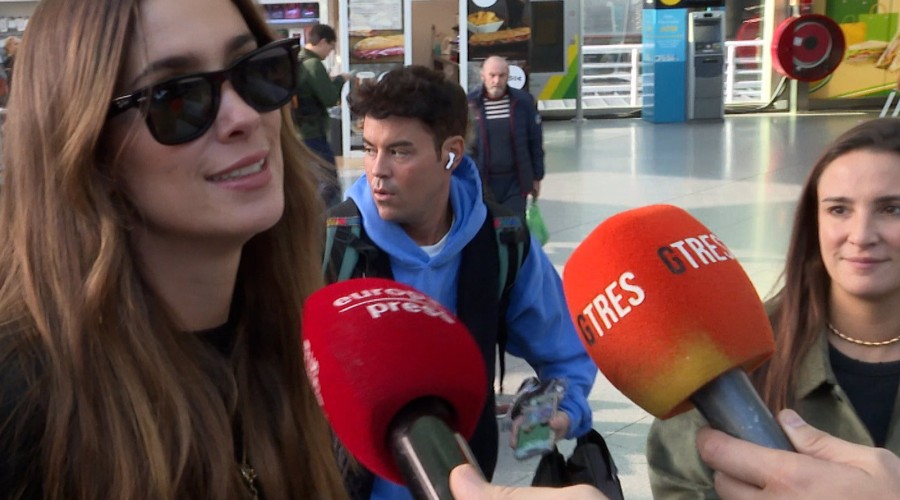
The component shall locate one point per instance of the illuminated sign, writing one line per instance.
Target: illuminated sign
(682, 4)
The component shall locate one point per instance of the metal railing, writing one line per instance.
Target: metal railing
(743, 72)
(611, 76)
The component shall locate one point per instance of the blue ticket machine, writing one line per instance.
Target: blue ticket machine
(665, 61)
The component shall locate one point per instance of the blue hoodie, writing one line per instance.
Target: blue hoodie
(539, 328)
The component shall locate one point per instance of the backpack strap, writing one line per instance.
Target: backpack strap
(513, 245)
(512, 236)
(342, 228)
(349, 253)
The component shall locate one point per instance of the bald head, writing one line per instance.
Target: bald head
(495, 74)
(11, 45)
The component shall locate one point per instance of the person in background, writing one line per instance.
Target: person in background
(317, 92)
(836, 319)
(10, 48)
(424, 223)
(4, 88)
(824, 467)
(508, 146)
(161, 231)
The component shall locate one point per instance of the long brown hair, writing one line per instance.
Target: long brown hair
(800, 309)
(132, 408)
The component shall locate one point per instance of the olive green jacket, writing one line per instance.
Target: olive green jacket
(676, 470)
(316, 93)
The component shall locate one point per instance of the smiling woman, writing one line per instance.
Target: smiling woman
(859, 227)
(837, 317)
(160, 228)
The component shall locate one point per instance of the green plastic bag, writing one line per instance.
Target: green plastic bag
(535, 221)
(879, 25)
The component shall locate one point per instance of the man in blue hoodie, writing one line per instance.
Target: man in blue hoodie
(421, 208)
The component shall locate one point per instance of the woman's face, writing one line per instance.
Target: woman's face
(859, 225)
(226, 185)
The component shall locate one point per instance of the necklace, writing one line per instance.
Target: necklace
(249, 474)
(867, 343)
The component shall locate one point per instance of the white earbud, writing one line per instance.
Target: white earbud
(450, 161)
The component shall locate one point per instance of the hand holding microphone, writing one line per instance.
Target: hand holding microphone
(672, 320)
(824, 467)
(399, 378)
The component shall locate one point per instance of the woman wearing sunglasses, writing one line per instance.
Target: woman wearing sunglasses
(160, 233)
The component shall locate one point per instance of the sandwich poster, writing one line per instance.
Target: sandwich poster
(376, 31)
(871, 64)
(498, 27)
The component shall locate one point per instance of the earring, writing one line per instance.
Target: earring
(450, 161)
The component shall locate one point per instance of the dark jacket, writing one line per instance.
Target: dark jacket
(317, 92)
(526, 131)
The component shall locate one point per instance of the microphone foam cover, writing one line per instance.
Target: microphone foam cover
(371, 346)
(663, 307)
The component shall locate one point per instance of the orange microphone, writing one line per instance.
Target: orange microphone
(672, 321)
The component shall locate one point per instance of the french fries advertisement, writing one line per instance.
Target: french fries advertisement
(498, 27)
(483, 17)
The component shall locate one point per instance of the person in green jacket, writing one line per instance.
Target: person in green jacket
(317, 91)
(836, 319)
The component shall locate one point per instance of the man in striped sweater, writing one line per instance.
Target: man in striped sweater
(508, 144)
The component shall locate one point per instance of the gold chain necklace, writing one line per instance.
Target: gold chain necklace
(249, 474)
(867, 343)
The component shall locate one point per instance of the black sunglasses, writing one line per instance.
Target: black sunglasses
(183, 108)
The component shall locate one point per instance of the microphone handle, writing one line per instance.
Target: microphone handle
(425, 448)
(731, 404)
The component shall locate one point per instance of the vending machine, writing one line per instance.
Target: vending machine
(706, 66)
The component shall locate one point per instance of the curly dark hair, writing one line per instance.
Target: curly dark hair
(415, 92)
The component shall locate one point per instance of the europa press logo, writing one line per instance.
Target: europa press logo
(379, 302)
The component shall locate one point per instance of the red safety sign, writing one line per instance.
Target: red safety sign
(808, 48)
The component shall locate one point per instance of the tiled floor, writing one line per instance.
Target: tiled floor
(740, 177)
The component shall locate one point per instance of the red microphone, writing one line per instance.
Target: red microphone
(671, 319)
(399, 378)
